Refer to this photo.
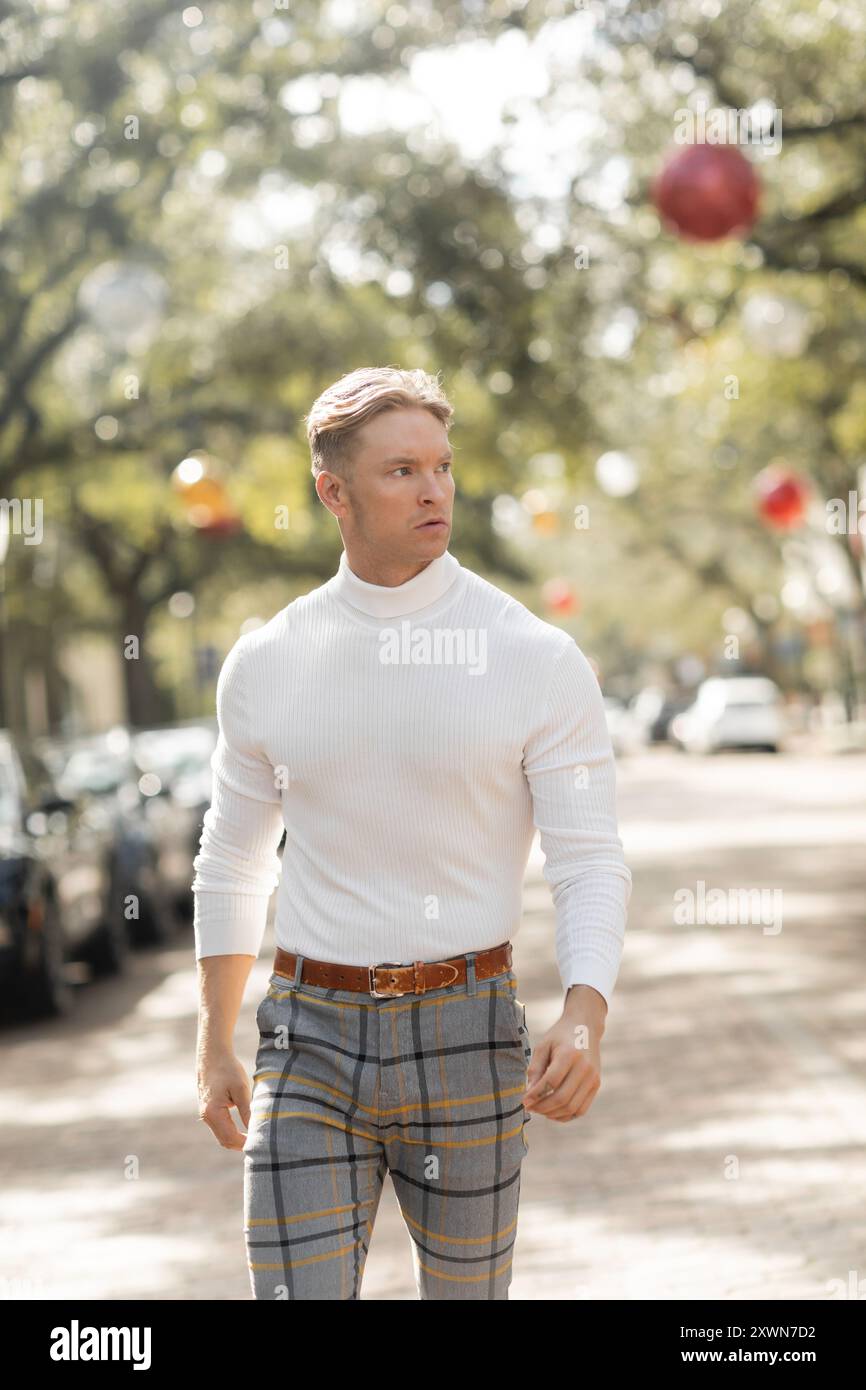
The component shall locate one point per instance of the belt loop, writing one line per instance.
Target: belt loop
(471, 984)
(299, 965)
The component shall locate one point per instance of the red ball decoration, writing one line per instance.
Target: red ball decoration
(207, 506)
(222, 526)
(559, 596)
(782, 497)
(706, 192)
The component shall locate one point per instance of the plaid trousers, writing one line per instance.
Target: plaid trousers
(347, 1088)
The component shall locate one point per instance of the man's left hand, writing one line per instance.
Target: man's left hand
(564, 1075)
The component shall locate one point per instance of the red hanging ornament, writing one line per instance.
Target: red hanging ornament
(559, 596)
(226, 525)
(781, 497)
(706, 192)
(207, 504)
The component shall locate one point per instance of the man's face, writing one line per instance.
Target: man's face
(401, 479)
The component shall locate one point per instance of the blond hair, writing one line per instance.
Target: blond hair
(341, 410)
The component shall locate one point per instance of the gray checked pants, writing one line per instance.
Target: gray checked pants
(347, 1088)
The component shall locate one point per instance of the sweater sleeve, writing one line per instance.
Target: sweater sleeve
(569, 765)
(237, 866)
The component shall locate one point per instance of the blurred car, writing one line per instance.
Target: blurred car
(175, 761)
(626, 734)
(653, 710)
(103, 768)
(732, 712)
(58, 888)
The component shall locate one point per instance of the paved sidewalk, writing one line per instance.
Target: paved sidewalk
(724, 1156)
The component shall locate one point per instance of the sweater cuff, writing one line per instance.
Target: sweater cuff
(229, 924)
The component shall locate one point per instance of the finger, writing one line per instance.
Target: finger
(542, 1073)
(548, 1073)
(242, 1099)
(538, 1066)
(586, 1098)
(562, 1099)
(244, 1107)
(219, 1120)
(544, 1092)
(538, 1088)
(579, 1102)
(562, 1104)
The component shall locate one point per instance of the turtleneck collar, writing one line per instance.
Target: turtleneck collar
(382, 601)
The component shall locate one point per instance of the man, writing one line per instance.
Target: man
(409, 724)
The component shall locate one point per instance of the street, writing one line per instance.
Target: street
(724, 1157)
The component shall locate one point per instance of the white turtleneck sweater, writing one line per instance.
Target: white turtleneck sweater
(410, 740)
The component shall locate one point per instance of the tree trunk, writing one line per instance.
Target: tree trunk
(146, 702)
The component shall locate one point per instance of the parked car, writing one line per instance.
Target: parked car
(653, 709)
(58, 886)
(175, 759)
(626, 735)
(732, 712)
(103, 767)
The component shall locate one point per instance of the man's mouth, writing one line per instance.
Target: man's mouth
(430, 525)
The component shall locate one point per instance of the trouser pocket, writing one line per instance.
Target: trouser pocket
(523, 1030)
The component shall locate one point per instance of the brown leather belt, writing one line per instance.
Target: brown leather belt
(391, 979)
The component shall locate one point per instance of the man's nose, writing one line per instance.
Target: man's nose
(435, 489)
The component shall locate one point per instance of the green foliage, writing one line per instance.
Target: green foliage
(267, 248)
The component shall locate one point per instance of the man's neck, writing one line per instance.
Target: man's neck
(383, 575)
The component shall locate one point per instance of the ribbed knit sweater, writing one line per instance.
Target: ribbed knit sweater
(410, 739)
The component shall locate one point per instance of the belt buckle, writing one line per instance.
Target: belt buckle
(372, 976)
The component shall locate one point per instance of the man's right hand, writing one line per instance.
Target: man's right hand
(223, 1083)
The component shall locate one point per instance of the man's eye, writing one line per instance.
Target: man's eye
(404, 468)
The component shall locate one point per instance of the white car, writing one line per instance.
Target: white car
(626, 735)
(732, 712)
